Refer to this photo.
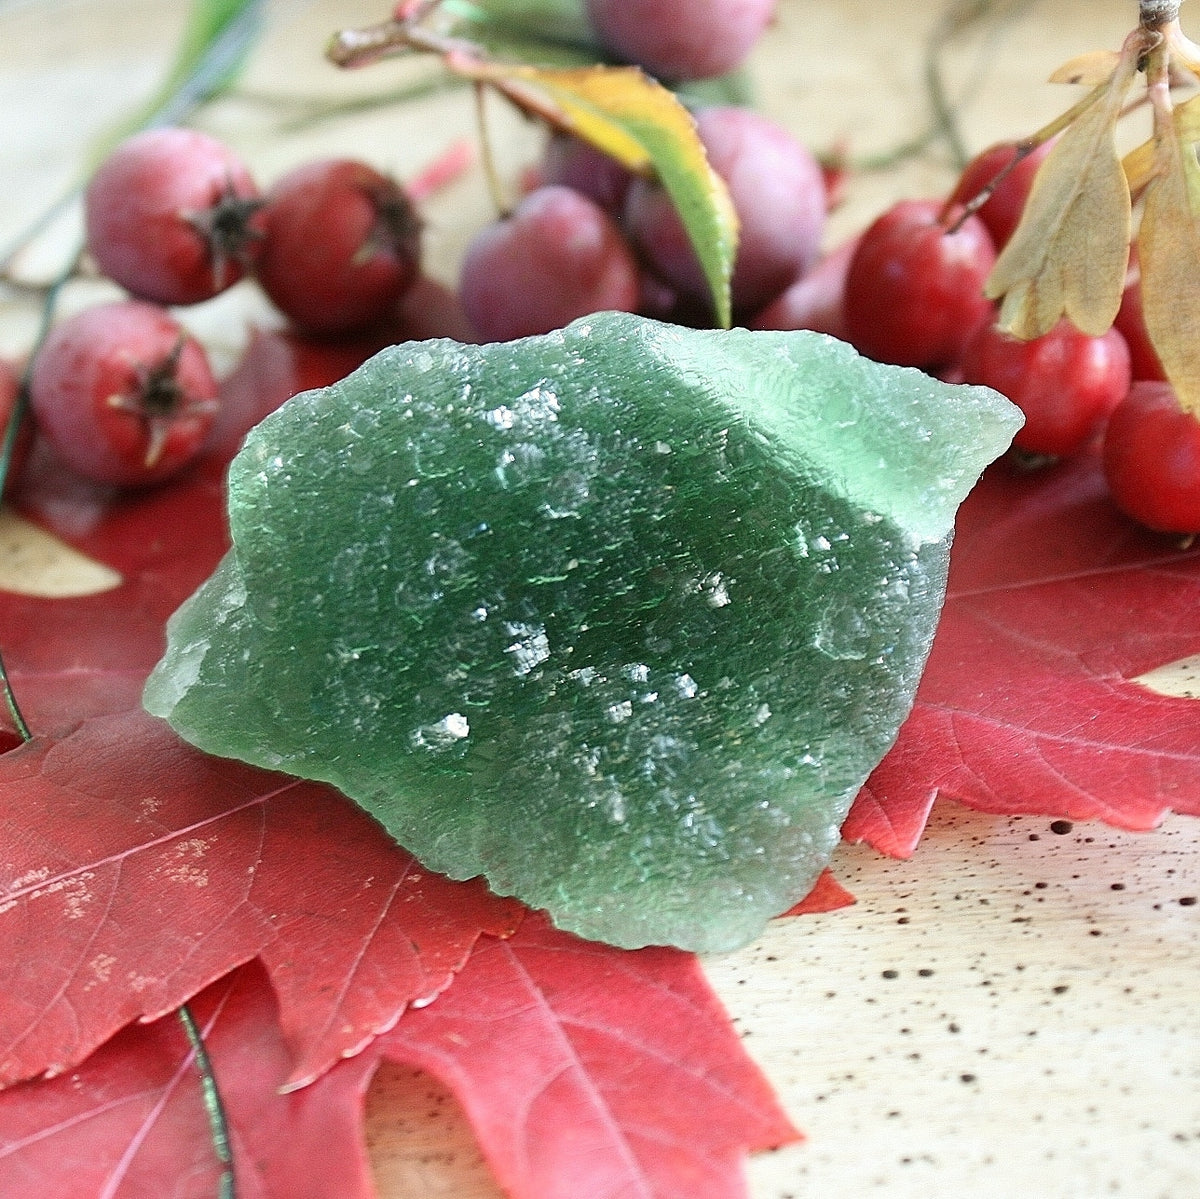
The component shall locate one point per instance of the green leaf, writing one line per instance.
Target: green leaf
(630, 116)
(211, 53)
(547, 32)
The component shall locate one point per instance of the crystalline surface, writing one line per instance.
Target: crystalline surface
(620, 617)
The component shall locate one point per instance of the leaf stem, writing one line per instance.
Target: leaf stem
(217, 1122)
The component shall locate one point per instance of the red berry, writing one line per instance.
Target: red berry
(10, 386)
(170, 216)
(914, 292)
(1065, 382)
(1152, 459)
(123, 393)
(341, 245)
(1001, 212)
(1143, 357)
(557, 257)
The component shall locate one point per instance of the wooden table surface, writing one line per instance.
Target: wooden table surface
(1012, 1011)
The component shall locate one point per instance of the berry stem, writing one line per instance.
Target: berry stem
(21, 407)
(487, 158)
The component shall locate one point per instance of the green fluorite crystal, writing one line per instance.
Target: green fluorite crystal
(620, 617)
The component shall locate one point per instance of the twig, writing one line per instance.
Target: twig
(217, 1121)
(486, 158)
(957, 18)
(14, 709)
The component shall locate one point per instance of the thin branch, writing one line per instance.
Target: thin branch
(486, 158)
(217, 1121)
(13, 708)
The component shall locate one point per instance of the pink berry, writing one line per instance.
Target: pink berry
(816, 300)
(170, 216)
(681, 39)
(557, 257)
(123, 393)
(778, 191)
(578, 164)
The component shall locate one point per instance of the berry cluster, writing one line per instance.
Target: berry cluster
(589, 235)
(910, 290)
(125, 395)
(121, 391)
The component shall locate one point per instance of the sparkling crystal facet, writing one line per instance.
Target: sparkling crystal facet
(621, 617)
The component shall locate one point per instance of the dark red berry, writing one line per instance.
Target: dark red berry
(123, 393)
(914, 292)
(341, 245)
(170, 216)
(1152, 459)
(1065, 382)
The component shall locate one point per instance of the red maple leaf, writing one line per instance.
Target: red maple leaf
(130, 1121)
(582, 1068)
(74, 657)
(1056, 604)
(138, 870)
(610, 1055)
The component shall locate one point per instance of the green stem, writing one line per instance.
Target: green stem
(218, 1124)
(21, 407)
(13, 708)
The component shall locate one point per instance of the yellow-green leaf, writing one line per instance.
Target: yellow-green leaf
(1169, 253)
(1068, 255)
(633, 118)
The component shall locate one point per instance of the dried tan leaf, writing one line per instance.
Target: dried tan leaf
(1091, 69)
(1140, 165)
(1169, 252)
(1068, 255)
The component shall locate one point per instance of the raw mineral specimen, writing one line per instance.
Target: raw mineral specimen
(620, 617)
